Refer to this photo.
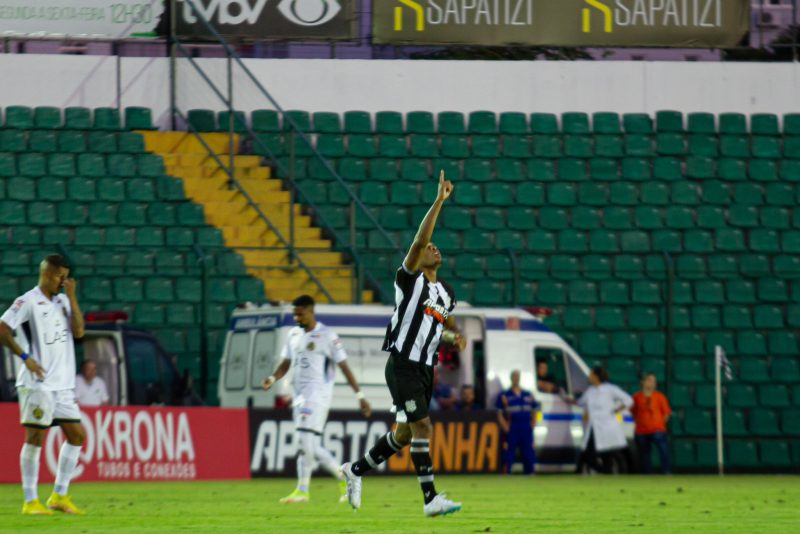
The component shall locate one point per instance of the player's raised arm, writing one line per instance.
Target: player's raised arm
(425, 231)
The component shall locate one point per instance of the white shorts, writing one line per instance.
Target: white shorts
(41, 409)
(310, 415)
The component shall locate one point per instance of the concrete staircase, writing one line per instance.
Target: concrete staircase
(266, 257)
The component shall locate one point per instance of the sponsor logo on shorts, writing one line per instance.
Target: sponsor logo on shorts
(411, 406)
(38, 413)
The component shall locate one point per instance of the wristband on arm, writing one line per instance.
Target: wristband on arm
(24, 356)
(360, 395)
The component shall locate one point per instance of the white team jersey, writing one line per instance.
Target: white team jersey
(313, 356)
(50, 338)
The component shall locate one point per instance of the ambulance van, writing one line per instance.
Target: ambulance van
(499, 340)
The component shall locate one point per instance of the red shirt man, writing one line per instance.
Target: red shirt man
(651, 411)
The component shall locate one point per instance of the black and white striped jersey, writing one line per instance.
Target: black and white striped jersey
(421, 308)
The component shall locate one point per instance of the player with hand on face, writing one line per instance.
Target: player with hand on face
(46, 382)
(423, 307)
(312, 349)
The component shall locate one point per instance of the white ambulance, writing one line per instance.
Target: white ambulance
(499, 340)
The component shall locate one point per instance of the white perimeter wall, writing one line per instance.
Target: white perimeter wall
(339, 85)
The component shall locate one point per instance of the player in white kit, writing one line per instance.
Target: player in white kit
(46, 382)
(312, 350)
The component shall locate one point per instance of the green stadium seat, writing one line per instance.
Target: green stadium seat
(614, 292)
(424, 146)
(478, 170)
(753, 369)
(667, 169)
(705, 397)
(669, 121)
(790, 422)
(509, 239)
(766, 147)
(639, 145)
(764, 124)
(742, 454)
(608, 318)
(530, 194)
(300, 121)
(782, 343)
(107, 119)
(766, 316)
(532, 266)
(702, 123)
(482, 122)
(709, 292)
(578, 146)
(703, 145)
(477, 239)
(786, 370)
(239, 122)
(392, 146)
(138, 118)
(521, 218)
(485, 146)
(642, 318)
(102, 142)
(574, 123)
(687, 369)
(606, 122)
(541, 241)
(637, 123)
(552, 218)
(249, 290)
(749, 194)
(414, 170)
(734, 146)
(77, 118)
(764, 422)
(590, 194)
(13, 141)
(791, 149)
(544, 123)
(751, 343)
(774, 396)
(326, 122)
(780, 194)
(42, 141)
(265, 120)
(670, 144)
(699, 167)
(487, 218)
(362, 146)
(20, 117)
(331, 145)
(588, 218)
(698, 423)
(680, 396)
(513, 123)
(96, 289)
(635, 241)
(420, 122)
(732, 124)
(388, 122)
(775, 454)
(774, 218)
(451, 122)
(547, 146)
(772, 290)
(149, 236)
(550, 293)
(572, 241)
(160, 289)
(509, 170)
(733, 421)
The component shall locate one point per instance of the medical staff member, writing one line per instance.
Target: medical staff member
(604, 440)
(516, 414)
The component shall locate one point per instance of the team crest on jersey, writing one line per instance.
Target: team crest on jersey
(311, 345)
(411, 406)
(38, 413)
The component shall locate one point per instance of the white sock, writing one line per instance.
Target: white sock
(67, 460)
(29, 466)
(305, 460)
(326, 459)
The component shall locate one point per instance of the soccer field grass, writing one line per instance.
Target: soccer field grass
(491, 504)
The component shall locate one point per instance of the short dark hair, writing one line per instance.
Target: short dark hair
(57, 261)
(303, 301)
(600, 373)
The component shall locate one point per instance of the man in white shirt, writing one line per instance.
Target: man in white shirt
(604, 440)
(312, 349)
(46, 382)
(90, 389)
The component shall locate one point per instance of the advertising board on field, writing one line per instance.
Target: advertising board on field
(461, 442)
(141, 443)
(673, 23)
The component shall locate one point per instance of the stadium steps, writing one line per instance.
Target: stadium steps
(205, 181)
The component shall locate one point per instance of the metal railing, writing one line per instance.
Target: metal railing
(294, 131)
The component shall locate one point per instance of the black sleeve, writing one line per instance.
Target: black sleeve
(404, 279)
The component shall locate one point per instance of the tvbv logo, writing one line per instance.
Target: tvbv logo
(235, 12)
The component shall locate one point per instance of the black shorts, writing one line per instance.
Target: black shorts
(411, 386)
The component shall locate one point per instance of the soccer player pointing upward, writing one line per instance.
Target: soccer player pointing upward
(423, 305)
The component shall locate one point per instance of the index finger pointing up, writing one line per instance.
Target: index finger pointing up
(441, 176)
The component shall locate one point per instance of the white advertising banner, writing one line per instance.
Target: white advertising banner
(80, 18)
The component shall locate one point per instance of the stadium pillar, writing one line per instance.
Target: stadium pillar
(668, 327)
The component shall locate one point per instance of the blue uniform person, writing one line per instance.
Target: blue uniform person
(516, 413)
